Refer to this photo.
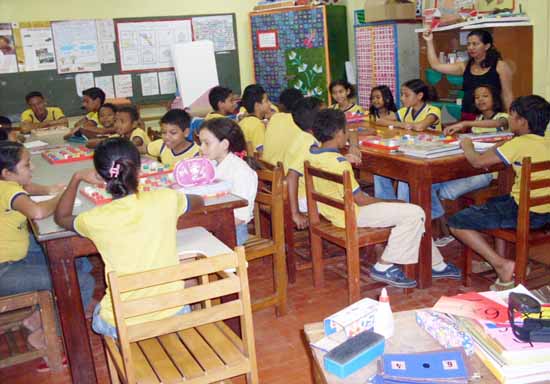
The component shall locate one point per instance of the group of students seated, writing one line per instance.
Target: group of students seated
(136, 231)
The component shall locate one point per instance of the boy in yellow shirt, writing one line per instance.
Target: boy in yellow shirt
(256, 103)
(406, 220)
(89, 126)
(39, 115)
(222, 101)
(529, 117)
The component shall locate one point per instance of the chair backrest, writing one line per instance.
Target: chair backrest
(314, 196)
(227, 284)
(527, 185)
(270, 194)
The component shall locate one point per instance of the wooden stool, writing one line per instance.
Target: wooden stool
(13, 311)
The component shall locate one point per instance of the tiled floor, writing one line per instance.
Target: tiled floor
(282, 354)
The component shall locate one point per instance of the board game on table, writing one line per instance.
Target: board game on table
(67, 154)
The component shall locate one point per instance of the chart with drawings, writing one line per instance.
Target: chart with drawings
(146, 45)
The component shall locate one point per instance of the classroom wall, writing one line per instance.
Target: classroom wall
(26, 10)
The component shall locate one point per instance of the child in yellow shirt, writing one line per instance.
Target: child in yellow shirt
(174, 145)
(222, 101)
(342, 93)
(39, 115)
(382, 104)
(89, 126)
(257, 105)
(132, 233)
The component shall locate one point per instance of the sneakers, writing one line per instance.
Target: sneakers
(450, 272)
(393, 276)
(443, 241)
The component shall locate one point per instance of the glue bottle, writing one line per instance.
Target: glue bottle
(383, 320)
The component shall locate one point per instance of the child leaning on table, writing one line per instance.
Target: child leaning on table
(23, 265)
(133, 233)
(529, 117)
(406, 220)
(89, 126)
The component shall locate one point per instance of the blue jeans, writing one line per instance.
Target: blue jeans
(242, 233)
(32, 274)
(104, 328)
(447, 190)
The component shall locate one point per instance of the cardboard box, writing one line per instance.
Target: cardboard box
(379, 10)
(353, 319)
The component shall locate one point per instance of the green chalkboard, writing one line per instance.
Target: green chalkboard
(60, 90)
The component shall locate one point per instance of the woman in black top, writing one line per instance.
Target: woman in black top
(485, 66)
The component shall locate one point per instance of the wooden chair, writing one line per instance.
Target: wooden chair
(13, 311)
(195, 347)
(351, 238)
(259, 245)
(523, 237)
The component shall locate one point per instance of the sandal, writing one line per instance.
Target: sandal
(502, 286)
(44, 367)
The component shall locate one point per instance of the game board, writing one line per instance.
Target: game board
(151, 167)
(67, 154)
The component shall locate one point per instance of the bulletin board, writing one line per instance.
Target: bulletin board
(289, 49)
(60, 89)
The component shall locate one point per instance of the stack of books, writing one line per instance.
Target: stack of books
(431, 149)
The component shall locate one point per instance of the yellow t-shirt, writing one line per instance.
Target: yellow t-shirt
(138, 132)
(512, 153)
(213, 115)
(53, 113)
(281, 132)
(133, 234)
(406, 115)
(93, 116)
(254, 131)
(354, 108)
(14, 234)
(298, 153)
(330, 160)
(496, 116)
(167, 156)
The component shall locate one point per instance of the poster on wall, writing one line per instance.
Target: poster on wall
(146, 45)
(34, 46)
(218, 29)
(76, 46)
(267, 40)
(8, 60)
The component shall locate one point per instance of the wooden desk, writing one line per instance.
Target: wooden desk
(63, 247)
(408, 338)
(421, 174)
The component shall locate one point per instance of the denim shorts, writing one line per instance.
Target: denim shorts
(498, 212)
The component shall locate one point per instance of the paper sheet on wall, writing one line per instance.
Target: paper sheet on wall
(167, 81)
(105, 83)
(149, 84)
(105, 30)
(107, 52)
(123, 86)
(8, 60)
(34, 46)
(83, 81)
(76, 46)
(145, 45)
(218, 29)
(195, 67)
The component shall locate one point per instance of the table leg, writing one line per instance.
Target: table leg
(69, 304)
(420, 194)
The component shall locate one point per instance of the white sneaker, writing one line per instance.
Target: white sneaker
(443, 241)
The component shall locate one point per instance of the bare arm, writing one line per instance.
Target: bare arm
(32, 210)
(448, 69)
(299, 219)
(479, 160)
(63, 121)
(424, 124)
(505, 74)
(37, 189)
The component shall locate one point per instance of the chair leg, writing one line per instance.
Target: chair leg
(467, 254)
(280, 281)
(354, 290)
(522, 256)
(113, 374)
(317, 260)
(54, 350)
(290, 251)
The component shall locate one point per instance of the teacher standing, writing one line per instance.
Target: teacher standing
(485, 67)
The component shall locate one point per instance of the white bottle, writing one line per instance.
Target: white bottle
(383, 320)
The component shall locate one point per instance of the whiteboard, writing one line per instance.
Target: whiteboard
(146, 45)
(195, 67)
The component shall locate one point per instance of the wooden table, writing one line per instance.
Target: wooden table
(421, 174)
(408, 338)
(63, 247)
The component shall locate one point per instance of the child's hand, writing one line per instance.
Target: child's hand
(428, 35)
(353, 158)
(466, 144)
(300, 220)
(409, 126)
(454, 128)
(56, 188)
(90, 176)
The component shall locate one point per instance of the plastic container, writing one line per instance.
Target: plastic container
(433, 77)
(383, 319)
(455, 80)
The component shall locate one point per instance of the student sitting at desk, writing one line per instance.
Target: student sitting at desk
(529, 117)
(222, 101)
(257, 105)
(39, 115)
(382, 104)
(342, 93)
(131, 234)
(23, 265)
(89, 126)
(174, 145)
(406, 220)
(7, 133)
